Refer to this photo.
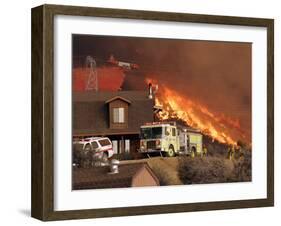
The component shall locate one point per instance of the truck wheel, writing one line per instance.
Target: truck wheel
(171, 152)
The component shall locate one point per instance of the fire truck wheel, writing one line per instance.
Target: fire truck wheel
(171, 151)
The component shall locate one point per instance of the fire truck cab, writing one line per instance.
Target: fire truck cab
(170, 139)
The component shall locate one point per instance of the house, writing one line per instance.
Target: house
(117, 115)
(129, 175)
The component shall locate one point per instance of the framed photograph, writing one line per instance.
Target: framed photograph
(141, 112)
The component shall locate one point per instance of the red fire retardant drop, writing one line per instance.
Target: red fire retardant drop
(109, 78)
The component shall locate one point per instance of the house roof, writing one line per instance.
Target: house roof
(91, 114)
(89, 96)
(99, 177)
(117, 98)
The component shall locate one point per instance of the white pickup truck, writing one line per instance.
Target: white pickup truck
(92, 148)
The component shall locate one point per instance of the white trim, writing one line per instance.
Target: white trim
(65, 199)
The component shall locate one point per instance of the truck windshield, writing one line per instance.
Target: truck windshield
(151, 133)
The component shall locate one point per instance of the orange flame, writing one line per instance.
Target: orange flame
(175, 106)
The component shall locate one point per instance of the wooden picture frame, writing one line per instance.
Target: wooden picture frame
(42, 203)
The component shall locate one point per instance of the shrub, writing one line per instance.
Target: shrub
(87, 159)
(204, 170)
(243, 168)
(214, 170)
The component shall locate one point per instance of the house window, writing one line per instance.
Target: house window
(118, 115)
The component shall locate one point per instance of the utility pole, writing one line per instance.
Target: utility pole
(92, 81)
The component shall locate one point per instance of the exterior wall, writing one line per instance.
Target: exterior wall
(134, 144)
(144, 178)
(118, 104)
(120, 140)
(85, 115)
(91, 116)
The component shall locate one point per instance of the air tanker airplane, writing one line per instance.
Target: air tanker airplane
(124, 65)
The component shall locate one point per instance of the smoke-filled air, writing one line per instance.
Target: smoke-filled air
(206, 84)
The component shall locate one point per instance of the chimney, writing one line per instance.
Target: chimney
(156, 89)
(150, 94)
(114, 166)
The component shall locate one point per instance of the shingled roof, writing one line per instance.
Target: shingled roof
(116, 98)
(99, 177)
(91, 114)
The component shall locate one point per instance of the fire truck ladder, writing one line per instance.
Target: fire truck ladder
(92, 81)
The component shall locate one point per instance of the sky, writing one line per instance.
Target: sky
(215, 74)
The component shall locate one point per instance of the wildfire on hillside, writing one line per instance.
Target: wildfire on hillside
(224, 129)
